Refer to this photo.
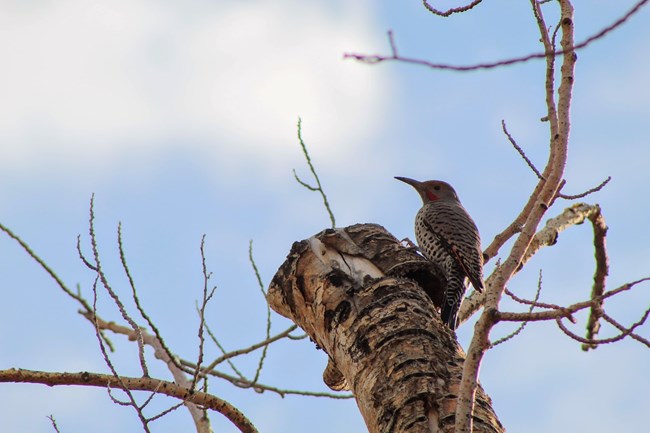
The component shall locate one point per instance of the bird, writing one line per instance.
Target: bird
(447, 235)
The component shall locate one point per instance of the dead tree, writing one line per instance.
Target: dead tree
(371, 305)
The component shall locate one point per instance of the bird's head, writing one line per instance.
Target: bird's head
(431, 190)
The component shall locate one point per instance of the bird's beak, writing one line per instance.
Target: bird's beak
(414, 183)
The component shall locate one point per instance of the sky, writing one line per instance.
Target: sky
(180, 118)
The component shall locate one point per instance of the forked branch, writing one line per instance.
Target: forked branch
(318, 188)
(542, 198)
(377, 58)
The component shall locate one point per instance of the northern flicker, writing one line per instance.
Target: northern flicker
(447, 236)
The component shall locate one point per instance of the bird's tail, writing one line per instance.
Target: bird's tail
(451, 301)
(449, 315)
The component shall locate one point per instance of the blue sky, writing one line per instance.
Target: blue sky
(181, 119)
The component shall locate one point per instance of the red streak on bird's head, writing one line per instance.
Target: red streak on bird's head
(431, 196)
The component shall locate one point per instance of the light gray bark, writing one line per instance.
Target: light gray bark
(373, 306)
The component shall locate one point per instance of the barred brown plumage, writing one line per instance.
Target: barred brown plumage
(447, 236)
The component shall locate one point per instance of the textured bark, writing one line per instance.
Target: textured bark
(373, 306)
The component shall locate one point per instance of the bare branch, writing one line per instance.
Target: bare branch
(241, 382)
(393, 45)
(260, 364)
(53, 421)
(166, 411)
(234, 353)
(534, 303)
(547, 236)
(149, 400)
(521, 151)
(46, 268)
(594, 342)
(107, 359)
(133, 383)
(555, 312)
(633, 335)
(542, 196)
(137, 330)
(136, 300)
(450, 11)
(104, 280)
(586, 193)
(551, 116)
(260, 388)
(206, 298)
(600, 276)
(318, 187)
(524, 323)
(83, 257)
(160, 353)
(217, 343)
(373, 59)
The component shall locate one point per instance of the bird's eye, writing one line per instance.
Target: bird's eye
(437, 187)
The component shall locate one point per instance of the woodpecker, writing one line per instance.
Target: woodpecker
(447, 236)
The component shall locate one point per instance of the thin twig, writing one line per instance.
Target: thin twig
(450, 11)
(114, 399)
(318, 187)
(53, 421)
(223, 351)
(391, 42)
(166, 411)
(297, 337)
(633, 335)
(259, 387)
(134, 294)
(532, 303)
(232, 354)
(521, 151)
(524, 323)
(256, 271)
(149, 399)
(136, 300)
(625, 332)
(46, 268)
(206, 298)
(82, 256)
(586, 193)
(555, 312)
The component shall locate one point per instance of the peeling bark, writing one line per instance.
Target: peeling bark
(373, 306)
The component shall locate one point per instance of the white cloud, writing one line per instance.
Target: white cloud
(93, 79)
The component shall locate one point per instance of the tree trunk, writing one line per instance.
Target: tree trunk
(373, 306)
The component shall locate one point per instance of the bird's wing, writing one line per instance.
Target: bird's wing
(455, 252)
(473, 278)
